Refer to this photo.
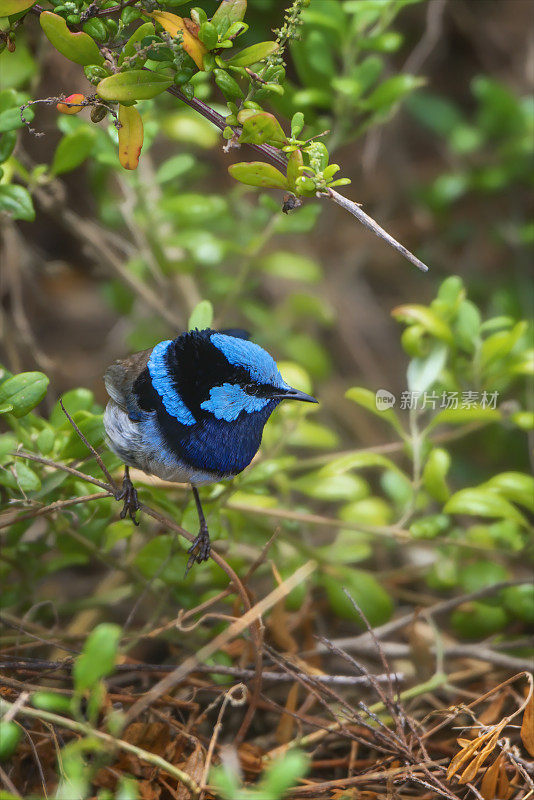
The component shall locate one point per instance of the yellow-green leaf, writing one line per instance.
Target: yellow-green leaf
(136, 84)
(258, 173)
(250, 55)
(262, 128)
(425, 317)
(77, 47)
(130, 136)
(482, 502)
(8, 7)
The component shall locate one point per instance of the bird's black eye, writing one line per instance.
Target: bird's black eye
(251, 388)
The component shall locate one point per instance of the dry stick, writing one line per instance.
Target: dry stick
(87, 730)
(165, 685)
(275, 156)
(42, 665)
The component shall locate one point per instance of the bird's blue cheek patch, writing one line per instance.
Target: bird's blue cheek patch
(229, 400)
(162, 383)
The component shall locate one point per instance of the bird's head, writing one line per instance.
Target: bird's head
(215, 374)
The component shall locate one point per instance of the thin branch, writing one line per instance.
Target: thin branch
(365, 219)
(41, 665)
(277, 158)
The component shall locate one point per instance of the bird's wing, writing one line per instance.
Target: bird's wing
(120, 377)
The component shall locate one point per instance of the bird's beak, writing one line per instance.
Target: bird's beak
(294, 394)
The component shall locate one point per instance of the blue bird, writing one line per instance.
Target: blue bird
(192, 410)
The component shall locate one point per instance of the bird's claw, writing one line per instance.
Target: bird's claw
(128, 493)
(200, 549)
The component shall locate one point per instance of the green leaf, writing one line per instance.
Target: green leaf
(291, 266)
(482, 502)
(262, 128)
(368, 511)
(116, 532)
(174, 167)
(98, 657)
(11, 118)
(24, 391)
(391, 91)
(201, 316)
(72, 150)
(258, 173)
(515, 486)
(422, 373)
(519, 601)
(436, 113)
(20, 477)
(136, 84)
(8, 7)
(156, 559)
(253, 54)
(77, 47)
(477, 620)
(129, 50)
(91, 426)
(463, 416)
(430, 526)
(17, 201)
(10, 735)
(424, 316)
(479, 574)
(74, 400)
(297, 124)
(365, 590)
(357, 460)
(192, 209)
(229, 12)
(8, 141)
(368, 400)
(434, 473)
(282, 774)
(332, 487)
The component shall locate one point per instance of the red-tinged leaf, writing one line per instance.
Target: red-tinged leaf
(8, 7)
(130, 136)
(73, 104)
(174, 24)
(257, 173)
(77, 47)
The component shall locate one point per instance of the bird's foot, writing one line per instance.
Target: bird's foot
(128, 493)
(200, 549)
